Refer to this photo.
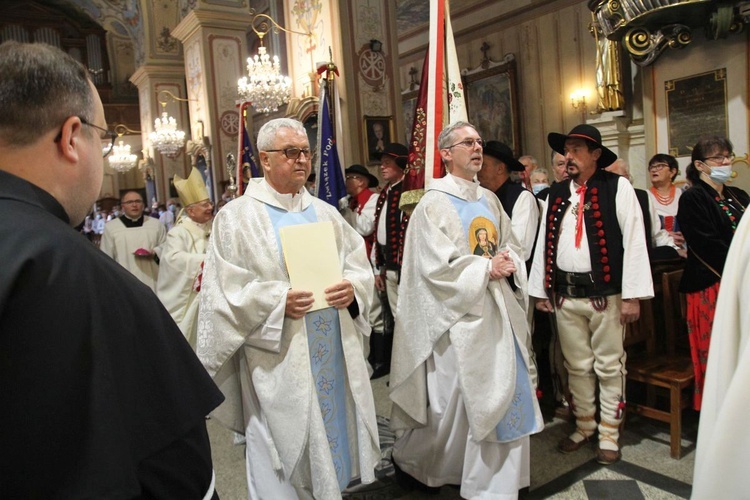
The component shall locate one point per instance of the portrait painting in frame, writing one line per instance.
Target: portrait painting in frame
(378, 133)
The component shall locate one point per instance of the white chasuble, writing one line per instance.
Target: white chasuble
(293, 387)
(179, 267)
(459, 378)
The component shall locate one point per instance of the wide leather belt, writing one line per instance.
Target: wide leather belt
(574, 285)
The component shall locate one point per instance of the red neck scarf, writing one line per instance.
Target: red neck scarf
(579, 218)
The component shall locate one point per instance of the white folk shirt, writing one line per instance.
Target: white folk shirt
(524, 220)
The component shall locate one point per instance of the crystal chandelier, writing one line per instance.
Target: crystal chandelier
(266, 88)
(165, 137)
(121, 158)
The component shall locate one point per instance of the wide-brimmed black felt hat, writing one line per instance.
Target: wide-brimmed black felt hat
(372, 181)
(502, 152)
(399, 152)
(557, 142)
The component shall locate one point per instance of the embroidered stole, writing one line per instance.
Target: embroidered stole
(519, 420)
(326, 359)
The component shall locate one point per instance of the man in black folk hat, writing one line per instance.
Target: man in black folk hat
(591, 233)
(519, 203)
(390, 223)
(358, 208)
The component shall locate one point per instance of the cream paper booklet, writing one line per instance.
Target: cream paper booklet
(312, 258)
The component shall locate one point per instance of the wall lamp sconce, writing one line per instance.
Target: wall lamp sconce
(376, 45)
(165, 137)
(578, 100)
(121, 158)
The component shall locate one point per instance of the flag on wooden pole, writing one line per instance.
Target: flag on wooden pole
(440, 102)
(330, 186)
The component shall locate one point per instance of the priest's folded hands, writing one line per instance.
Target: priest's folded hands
(501, 265)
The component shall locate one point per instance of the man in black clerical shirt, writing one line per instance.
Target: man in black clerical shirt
(101, 395)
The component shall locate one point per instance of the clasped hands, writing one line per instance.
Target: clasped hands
(338, 295)
(502, 265)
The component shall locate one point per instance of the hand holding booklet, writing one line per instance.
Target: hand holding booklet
(312, 258)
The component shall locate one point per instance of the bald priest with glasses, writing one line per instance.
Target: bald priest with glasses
(133, 239)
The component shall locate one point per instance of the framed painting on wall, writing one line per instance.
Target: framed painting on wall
(409, 105)
(378, 133)
(492, 103)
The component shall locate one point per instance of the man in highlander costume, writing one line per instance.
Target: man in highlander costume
(464, 405)
(295, 381)
(591, 268)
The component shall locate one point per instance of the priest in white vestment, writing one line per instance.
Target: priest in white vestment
(722, 455)
(295, 381)
(134, 240)
(464, 403)
(181, 264)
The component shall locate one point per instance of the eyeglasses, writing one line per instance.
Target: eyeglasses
(108, 135)
(353, 177)
(291, 153)
(468, 143)
(131, 202)
(721, 158)
(657, 166)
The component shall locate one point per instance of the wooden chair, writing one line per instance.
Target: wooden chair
(663, 367)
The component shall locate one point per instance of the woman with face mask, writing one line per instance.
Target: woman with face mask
(708, 215)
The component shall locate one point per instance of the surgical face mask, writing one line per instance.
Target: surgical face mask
(538, 187)
(720, 174)
(172, 208)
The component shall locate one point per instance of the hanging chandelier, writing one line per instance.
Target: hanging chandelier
(165, 137)
(121, 159)
(265, 87)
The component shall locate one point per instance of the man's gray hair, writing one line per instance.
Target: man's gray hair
(446, 137)
(552, 157)
(531, 159)
(268, 131)
(40, 87)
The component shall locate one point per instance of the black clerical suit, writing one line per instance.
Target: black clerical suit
(100, 394)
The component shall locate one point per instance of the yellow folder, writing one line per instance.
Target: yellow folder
(312, 258)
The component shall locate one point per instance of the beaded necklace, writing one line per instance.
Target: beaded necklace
(664, 200)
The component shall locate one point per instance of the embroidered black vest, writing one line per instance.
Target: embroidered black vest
(390, 254)
(602, 230)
